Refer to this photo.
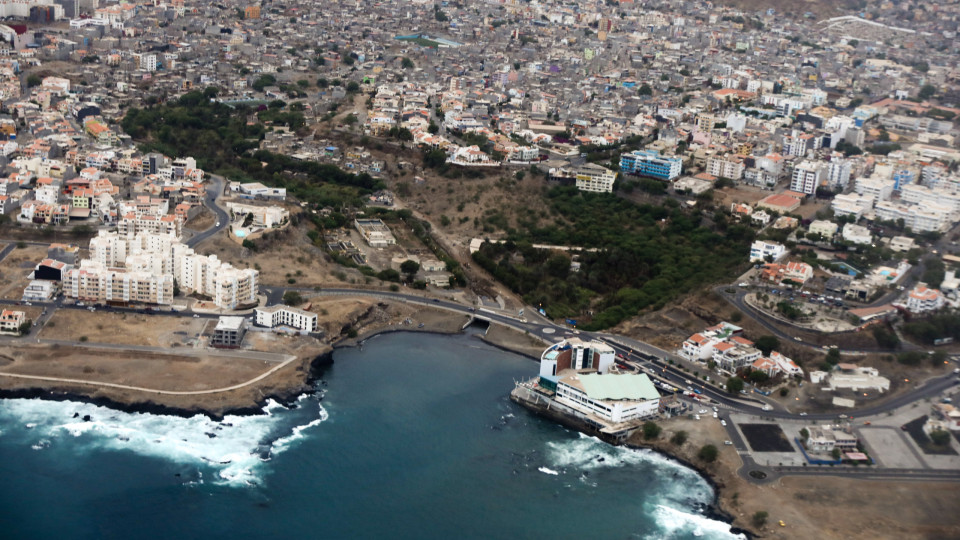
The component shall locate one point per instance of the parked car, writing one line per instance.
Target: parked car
(723, 423)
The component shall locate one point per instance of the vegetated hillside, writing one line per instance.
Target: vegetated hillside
(222, 141)
(648, 256)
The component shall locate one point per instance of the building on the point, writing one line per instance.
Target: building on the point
(574, 353)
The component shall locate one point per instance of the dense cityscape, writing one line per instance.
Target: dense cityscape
(726, 232)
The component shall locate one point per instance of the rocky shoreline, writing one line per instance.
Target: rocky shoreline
(286, 397)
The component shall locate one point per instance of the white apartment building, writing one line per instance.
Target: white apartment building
(759, 250)
(148, 62)
(838, 173)
(851, 204)
(93, 282)
(922, 195)
(207, 275)
(594, 178)
(875, 188)
(929, 217)
(725, 167)
(281, 315)
(133, 223)
(806, 177)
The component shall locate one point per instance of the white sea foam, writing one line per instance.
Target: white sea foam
(545, 470)
(675, 523)
(235, 448)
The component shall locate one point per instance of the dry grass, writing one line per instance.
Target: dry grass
(123, 328)
(15, 268)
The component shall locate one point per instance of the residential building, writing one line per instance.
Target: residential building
(806, 177)
(281, 315)
(875, 189)
(39, 290)
(594, 178)
(263, 216)
(857, 234)
(731, 356)
(94, 283)
(777, 364)
(923, 299)
(760, 250)
(797, 272)
(698, 347)
(925, 218)
(851, 204)
(229, 332)
(838, 173)
(11, 320)
(725, 167)
(823, 439)
(650, 163)
(826, 229)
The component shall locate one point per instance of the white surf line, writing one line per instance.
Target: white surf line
(154, 390)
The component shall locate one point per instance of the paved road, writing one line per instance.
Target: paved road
(214, 191)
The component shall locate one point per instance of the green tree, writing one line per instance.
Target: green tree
(767, 344)
(708, 453)
(406, 63)
(353, 87)
(804, 434)
(24, 327)
(292, 298)
(645, 90)
(679, 438)
(433, 128)
(760, 518)
(758, 377)
(409, 267)
(734, 385)
(940, 437)
(927, 91)
(833, 356)
(34, 80)
(651, 430)
(835, 453)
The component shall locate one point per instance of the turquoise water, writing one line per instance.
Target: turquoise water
(414, 438)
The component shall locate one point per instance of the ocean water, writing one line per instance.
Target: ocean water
(411, 437)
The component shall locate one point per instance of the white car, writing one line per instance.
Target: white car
(723, 423)
(728, 443)
(217, 225)
(696, 417)
(195, 316)
(702, 411)
(803, 414)
(714, 415)
(715, 409)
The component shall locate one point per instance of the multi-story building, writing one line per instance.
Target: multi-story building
(806, 177)
(594, 178)
(281, 315)
(760, 250)
(614, 398)
(851, 204)
(923, 196)
(229, 332)
(857, 234)
(826, 229)
(725, 167)
(93, 282)
(923, 299)
(576, 354)
(262, 216)
(732, 356)
(875, 189)
(838, 173)
(651, 163)
(10, 320)
(925, 218)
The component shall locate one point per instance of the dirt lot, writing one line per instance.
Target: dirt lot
(123, 328)
(204, 219)
(515, 341)
(819, 507)
(15, 268)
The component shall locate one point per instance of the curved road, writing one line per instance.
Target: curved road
(213, 192)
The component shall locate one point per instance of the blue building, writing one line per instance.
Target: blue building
(902, 178)
(651, 163)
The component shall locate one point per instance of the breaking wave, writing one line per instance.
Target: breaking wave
(234, 448)
(682, 487)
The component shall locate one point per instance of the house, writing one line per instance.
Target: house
(10, 321)
(777, 364)
(826, 229)
(856, 234)
(375, 232)
(824, 439)
(796, 272)
(698, 347)
(732, 357)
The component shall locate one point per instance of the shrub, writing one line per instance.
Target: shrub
(651, 430)
(760, 518)
(708, 453)
(679, 438)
